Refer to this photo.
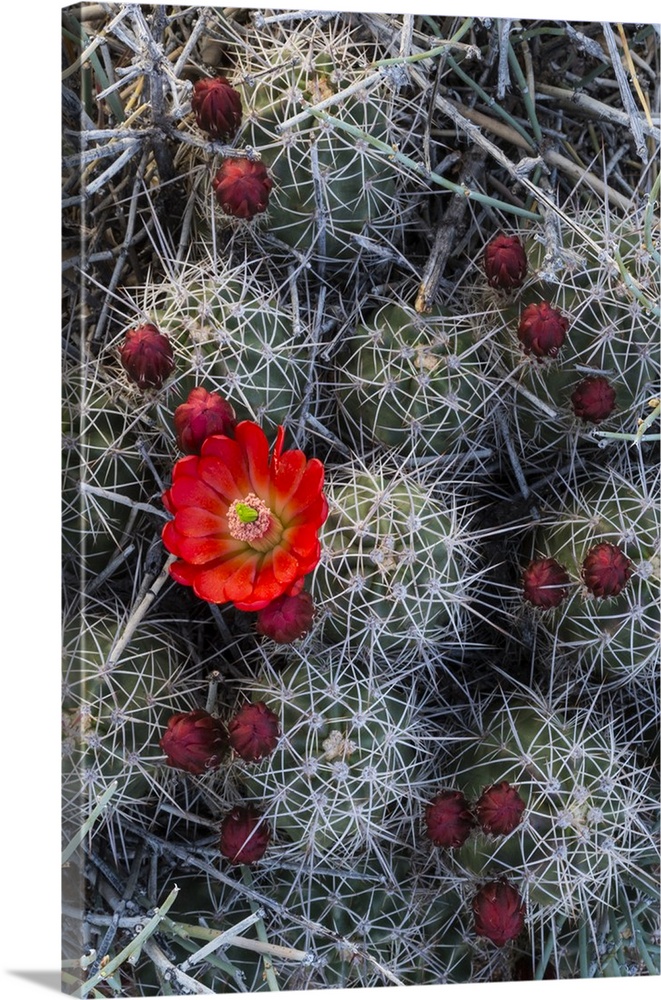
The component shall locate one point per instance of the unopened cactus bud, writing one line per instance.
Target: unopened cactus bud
(593, 399)
(545, 583)
(499, 912)
(449, 819)
(194, 741)
(287, 618)
(542, 330)
(606, 570)
(254, 731)
(499, 809)
(242, 187)
(203, 414)
(147, 356)
(217, 107)
(505, 263)
(244, 836)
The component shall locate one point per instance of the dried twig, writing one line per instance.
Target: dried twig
(633, 115)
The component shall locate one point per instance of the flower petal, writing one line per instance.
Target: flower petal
(210, 581)
(204, 550)
(253, 440)
(196, 522)
(286, 478)
(171, 538)
(183, 573)
(307, 492)
(230, 483)
(239, 586)
(285, 566)
(188, 492)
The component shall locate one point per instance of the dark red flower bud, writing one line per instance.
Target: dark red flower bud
(499, 912)
(217, 107)
(505, 262)
(147, 356)
(287, 618)
(244, 836)
(449, 819)
(542, 330)
(545, 583)
(254, 731)
(499, 809)
(194, 741)
(606, 570)
(203, 414)
(242, 187)
(593, 399)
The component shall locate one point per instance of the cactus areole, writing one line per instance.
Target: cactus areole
(245, 526)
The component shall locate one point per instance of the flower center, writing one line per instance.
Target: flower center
(248, 519)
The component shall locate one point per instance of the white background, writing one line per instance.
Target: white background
(30, 492)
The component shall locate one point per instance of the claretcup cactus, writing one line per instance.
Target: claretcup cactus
(394, 562)
(542, 330)
(579, 826)
(254, 731)
(194, 741)
(235, 334)
(203, 414)
(448, 819)
(217, 107)
(382, 923)
(245, 518)
(102, 470)
(287, 618)
(118, 698)
(580, 341)
(499, 912)
(415, 383)
(146, 355)
(606, 537)
(505, 263)
(244, 836)
(351, 758)
(242, 187)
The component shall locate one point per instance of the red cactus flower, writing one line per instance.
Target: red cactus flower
(217, 107)
(244, 836)
(203, 414)
(499, 912)
(593, 399)
(606, 570)
(147, 356)
(287, 618)
(242, 187)
(245, 528)
(194, 741)
(545, 583)
(505, 262)
(542, 330)
(499, 809)
(449, 819)
(254, 731)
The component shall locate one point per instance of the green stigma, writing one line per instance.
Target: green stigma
(245, 513)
